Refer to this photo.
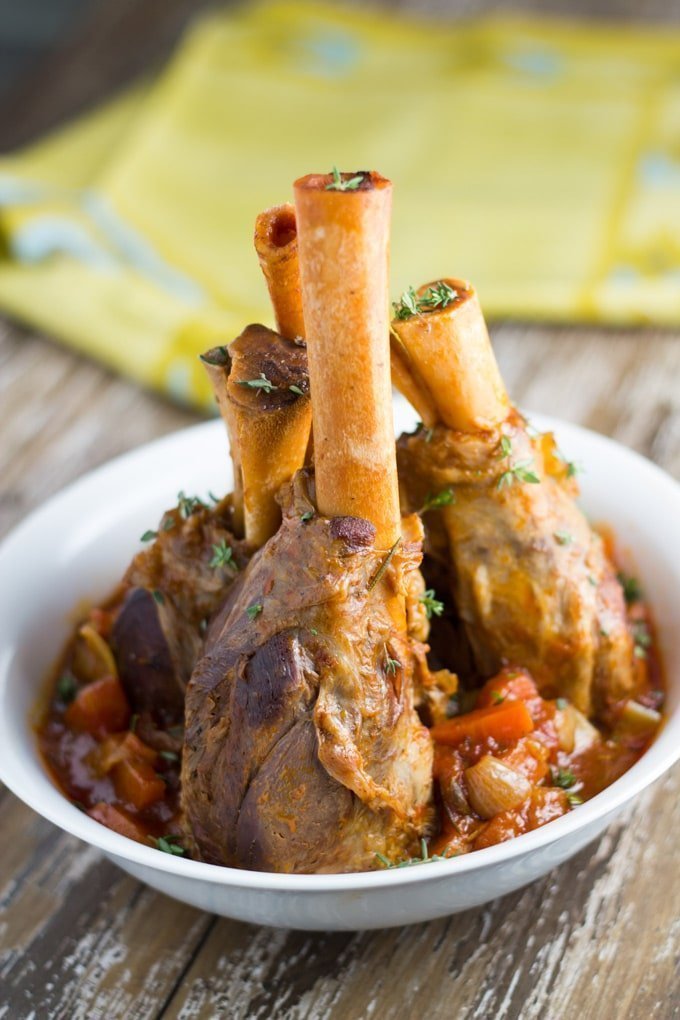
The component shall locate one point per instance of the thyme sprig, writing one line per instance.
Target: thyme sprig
(169, 845)
(409, 862)
(262, 383)
(188, 505)
(433, 607)
(339, 184)
(437, 500)
(223, 555)
(383, 566)
(519, 472)
(632, 589)
(438, 295)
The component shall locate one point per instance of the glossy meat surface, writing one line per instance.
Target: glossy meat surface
(170, 591)
(303, 751)
(529, 576)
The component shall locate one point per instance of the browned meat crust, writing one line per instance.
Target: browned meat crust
(171, 590)
(529, 576)
(303, 750)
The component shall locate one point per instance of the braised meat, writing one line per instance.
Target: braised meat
(300, 718)
(171, 589)
(529, 576)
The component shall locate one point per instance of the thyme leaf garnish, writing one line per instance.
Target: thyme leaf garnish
(438, 295)
(436, 500)
(519, 472)
(66, 688)
(409, 862)
(632, 590)
(188, 505)
(223, 556)
(169, 845)
(564, 778)
(383, 566)
(338, 184)
(433, 607)
(263, 383)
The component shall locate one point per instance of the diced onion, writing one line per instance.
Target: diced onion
(574, 732)
(637, 720)
(93, 659)
(494, 787)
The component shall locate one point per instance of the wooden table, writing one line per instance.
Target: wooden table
(598, 938)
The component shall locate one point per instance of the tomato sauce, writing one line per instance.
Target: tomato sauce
(511, 762)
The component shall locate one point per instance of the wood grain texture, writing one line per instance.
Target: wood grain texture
(597, 938)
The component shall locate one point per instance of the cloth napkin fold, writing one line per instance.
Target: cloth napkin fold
(539, 159)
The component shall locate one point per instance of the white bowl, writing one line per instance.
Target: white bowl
(76, 547)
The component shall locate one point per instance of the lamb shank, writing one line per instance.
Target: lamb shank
(530, 578)
(303, 749)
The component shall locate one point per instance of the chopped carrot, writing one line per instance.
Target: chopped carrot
(504, 723)
(99, 708)
(528, 757)
(119, 820)
(510, 683)
(137, 784)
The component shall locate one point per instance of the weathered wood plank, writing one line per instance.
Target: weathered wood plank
(566, 946)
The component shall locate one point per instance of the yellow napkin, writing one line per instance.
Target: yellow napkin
(537, 158)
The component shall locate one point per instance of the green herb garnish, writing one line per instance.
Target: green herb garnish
(338, 184)
(169, 755)
(563, 778)
(505, 447)
(409, 862)
(223, 556)
(168, 524)
(435, 501)
(563, 538)
(263, 383)
(296, 390)
(66, 688)
(574, 799)
(632, 591)
(391, 665)
(307, 515)
(216, 356)
(149, 536)
(407, 305)
(433, 607)
(188, 505)
(519, 472)
(497, 697)
(158, 597)
(169, 845)
(254, 610)
(562, 703)
(383, 566)
(439, 295)
(642, 639)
